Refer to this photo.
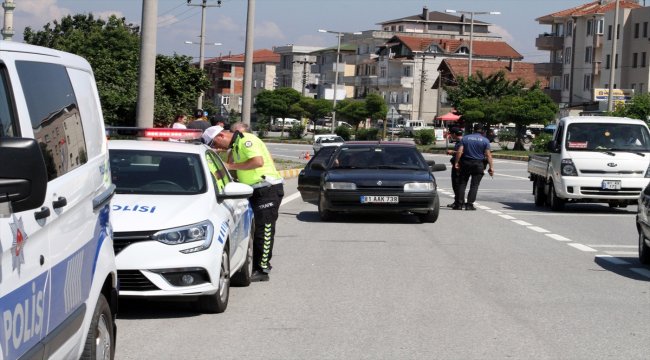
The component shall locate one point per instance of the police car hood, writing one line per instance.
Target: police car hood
(133, 212)
(610, 162)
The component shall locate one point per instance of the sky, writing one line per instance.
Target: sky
(282, 22)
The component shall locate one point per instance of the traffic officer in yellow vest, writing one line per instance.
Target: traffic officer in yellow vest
(254, 166)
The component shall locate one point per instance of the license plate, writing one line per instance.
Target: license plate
(371, 199)
(611, 185)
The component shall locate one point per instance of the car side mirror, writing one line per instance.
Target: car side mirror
(235, 190)
(23, 174)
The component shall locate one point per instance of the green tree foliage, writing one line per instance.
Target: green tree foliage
(376, 107)
(315, 108)
(530, 107)
(112, 48)
(281, 102)
(637, 108)
(354, 111)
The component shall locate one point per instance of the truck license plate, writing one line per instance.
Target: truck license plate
(372, 199)
(611, 185)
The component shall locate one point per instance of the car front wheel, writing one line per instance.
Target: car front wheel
(243, 276)
(218, 302)
(431, 216)
(325, 215)
(644, 249)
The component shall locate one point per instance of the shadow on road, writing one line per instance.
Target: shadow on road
(312, 216)
(137, 309)
(626, 270)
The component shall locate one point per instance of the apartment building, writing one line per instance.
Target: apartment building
(294, 68)
(227, 77)
(580, 48)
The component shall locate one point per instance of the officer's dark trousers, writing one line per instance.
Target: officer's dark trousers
(469, 168)
(265, 203)
(455, 182)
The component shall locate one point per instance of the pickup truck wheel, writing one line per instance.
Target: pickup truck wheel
(555, 202)
(538, 192)
(644, 249)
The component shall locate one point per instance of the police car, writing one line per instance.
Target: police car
(182, 226)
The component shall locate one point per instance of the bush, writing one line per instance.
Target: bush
(343, 132)
(262, 129)
(540, 142)
(505, 136)
(296, 131)
(425, 137)
(367, 134)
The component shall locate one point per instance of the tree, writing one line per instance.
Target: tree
(112, 47)
(279, 103)
(531, 107)
(354, 111)
(637, 108)
(376, 107)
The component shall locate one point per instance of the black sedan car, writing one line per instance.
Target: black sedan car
(371, 176)
(643, 225)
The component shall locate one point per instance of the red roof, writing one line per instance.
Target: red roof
(594, 7)
(479, 47)
(522, 70)
(259, 56)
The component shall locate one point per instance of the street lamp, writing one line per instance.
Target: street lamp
(339, 34)
(471, 30)
(199, 104)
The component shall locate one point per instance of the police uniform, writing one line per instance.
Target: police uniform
(471, 165)
(268, 191)
(455, 177)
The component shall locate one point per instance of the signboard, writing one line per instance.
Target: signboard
(618, 94)
(340, 94)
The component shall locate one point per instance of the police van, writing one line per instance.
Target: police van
(58, 278)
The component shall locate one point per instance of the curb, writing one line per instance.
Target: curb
(290, 173)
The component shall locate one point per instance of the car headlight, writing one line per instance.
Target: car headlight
(340, 186)
(418, 187)
(202, 231)
(568, 168)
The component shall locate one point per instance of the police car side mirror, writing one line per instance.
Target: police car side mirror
(23, 174)
(235, 190)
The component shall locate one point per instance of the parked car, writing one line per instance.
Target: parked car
(321, 141)
(371, 176)
(643, 225)
(182, 227)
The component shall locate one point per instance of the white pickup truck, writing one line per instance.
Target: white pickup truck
(592, 159)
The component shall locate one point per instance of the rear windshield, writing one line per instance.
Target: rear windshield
(607, 136)
(398, 158)
(156, 172)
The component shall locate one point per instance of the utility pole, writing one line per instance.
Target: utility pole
(203, 5)
(248, 64)
(612, 67)
(147, 71)
(304, 63)
(423, 79)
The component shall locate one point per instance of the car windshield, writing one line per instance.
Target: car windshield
(156, 172)
(362, 157)
(607, 137)
(335, 139)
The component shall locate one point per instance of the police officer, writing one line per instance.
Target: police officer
(456, 137)
(473, 151)
(254, 166)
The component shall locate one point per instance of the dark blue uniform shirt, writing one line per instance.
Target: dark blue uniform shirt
(474, 146)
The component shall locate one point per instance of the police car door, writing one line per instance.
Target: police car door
(238, 209)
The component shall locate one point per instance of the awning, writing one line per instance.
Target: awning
(448, 117)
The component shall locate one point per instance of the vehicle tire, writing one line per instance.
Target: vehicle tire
(242, 278)
(431, 216)
(218, 302)
(100, 341)
(644, 249)
(555, 202)
(538, 192)
(325, 215)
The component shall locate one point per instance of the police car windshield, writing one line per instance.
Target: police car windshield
(156, 172)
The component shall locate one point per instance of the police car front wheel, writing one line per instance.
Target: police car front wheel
(218, 302)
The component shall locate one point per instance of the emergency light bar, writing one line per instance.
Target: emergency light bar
(154, 133)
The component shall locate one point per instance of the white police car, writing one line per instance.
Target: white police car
(182, 226)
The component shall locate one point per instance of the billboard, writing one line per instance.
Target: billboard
(618, 94)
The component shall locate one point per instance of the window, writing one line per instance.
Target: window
(559, 29)
(225, 100)
(218, 171)
(635, 58)
(7, 122)
(52, 103)
(616, 62)
(588, 53)
(641, 88)
(587, 82)
(636, 30)
(406, 97)
(609, 32)
(566, 81)
(382, 71)
(393, 97)
(569, 28)
(600, 26)
(645, 29)
(618, 31)
(463, 50)
(567, 55)
(643, 59)
(400, 28)
(608, 61)
(633, 87)
(407, 71)
(590, 26)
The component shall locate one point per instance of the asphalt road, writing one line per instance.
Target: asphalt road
(510, 280)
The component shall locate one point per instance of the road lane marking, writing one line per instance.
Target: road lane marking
(641, 271)
(582, 247)
(482, 207)
(496, 212)
(613, 246)
(289, 198)
(538, 229)
(557, 237)
(508, 217)
(522, 223)
(512, 176)
(613, 260)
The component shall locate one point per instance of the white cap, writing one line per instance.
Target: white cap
(210, 133)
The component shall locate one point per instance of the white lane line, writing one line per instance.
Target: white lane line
(508, 217)
(627, 253)
(538, 229)
(582, 247)
(512, 176)
(613, 246)
(641, 271)
(527, 213)
(613, 260)
(291, 197)
(497, 212)
(482, 207)
(522, 223)
(557, 237)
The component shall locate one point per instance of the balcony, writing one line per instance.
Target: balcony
(549, 42)
(548, 69)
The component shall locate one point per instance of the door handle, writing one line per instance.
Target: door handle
(61, 202)
(42, 214)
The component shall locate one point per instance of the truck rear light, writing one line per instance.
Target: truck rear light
(567, 168)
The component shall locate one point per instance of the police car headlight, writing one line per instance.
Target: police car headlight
(197, 232)
(330, 185)
(418, 187)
